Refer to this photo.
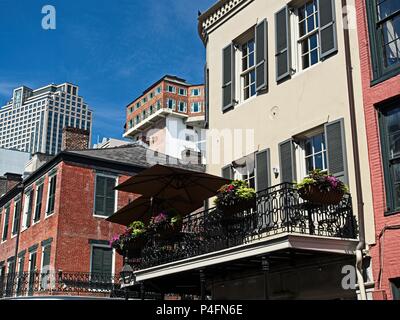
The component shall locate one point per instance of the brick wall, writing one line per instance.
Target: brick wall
(75, 139)
(372, 96)
(72, 224)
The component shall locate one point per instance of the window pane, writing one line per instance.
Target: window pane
(308, 147)
(393, 126)
(387, 7)
(317, 140)
(309, 164)
(318, 161)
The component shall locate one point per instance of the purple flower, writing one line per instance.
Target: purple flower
(160, 218)
(333, 181)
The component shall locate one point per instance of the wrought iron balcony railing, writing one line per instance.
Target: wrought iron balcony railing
(279, 209)
(57, 283)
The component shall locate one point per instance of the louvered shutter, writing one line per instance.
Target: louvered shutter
(282, 43)
(6, 223)
(38, 206)
(263, 170)
(336, 149)
(17, 217)
(227, 172)
(228, 77)
(30, 207)
(261, 55)
(327, 27)
(100, 206)
(101, 260)
(110, 196)
(287, 161)
(207, 96)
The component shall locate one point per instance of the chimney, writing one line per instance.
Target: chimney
(12, 179)
(75, 139)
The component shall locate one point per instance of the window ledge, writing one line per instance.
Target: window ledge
(48, 215)
(385, 76)
(392, 213)
(100, 217)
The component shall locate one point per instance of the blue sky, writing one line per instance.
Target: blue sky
(112, 49)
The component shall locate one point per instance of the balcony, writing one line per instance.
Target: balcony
(279, 212)
(58, 283)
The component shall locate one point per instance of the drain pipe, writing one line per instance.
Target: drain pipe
(356, 156)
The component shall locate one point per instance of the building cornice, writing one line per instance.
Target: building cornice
(215, 14)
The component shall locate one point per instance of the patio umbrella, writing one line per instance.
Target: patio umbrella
(163, 182)
(141, 209)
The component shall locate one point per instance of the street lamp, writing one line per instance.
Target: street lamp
(127, 276)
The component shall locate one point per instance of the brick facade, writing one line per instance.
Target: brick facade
(71, 227)
(387, 246)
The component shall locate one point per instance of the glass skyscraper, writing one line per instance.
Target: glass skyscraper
(33, 120)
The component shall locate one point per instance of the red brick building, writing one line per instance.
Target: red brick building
(54, 220)
(168, 116)
(379, 40)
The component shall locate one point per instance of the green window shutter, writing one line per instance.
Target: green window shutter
(52, 194)
(101, 260)
(207, 96)
(228, 77)
(227, 172)
(263, 170)
(6, 223)
(17, 217)
(261, 33)
(110, 196)
(287, 161)
(21, 266)
(336, 149)
(46, 258)
(30, 205)
(282, 43)
(100, 206)
(38, 206)
(327, 27)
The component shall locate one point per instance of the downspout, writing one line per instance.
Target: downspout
(356, 156)
(19, 229)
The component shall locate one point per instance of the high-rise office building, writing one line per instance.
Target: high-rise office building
(33, 120)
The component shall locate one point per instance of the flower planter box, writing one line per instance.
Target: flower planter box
(167, 231)
(314, 195)
(237, 206)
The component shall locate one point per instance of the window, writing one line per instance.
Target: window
(17, 217)
(38, 203)
(244, 169)
(312, 25)
(137, 119)
(171, 89)
(105, 195)
(144, 114)
(182, 92)
(158, 90)
(28, 204)
(384, 29)
(32, 269)
(389, 117)
(248, 69)
(315, 153)
(46, 253)
(182, 106)
(51, 195)
(101, 261)
(395, 284)
(6, 222)
(196, 107)
(171, 103)
(195, 92)
(308, 34)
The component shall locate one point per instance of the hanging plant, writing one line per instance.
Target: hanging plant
(234, 197)
(321, 188)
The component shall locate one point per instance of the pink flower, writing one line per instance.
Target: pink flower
(333, 181)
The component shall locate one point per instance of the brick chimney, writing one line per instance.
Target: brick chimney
(75, 139)
(12, 179)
